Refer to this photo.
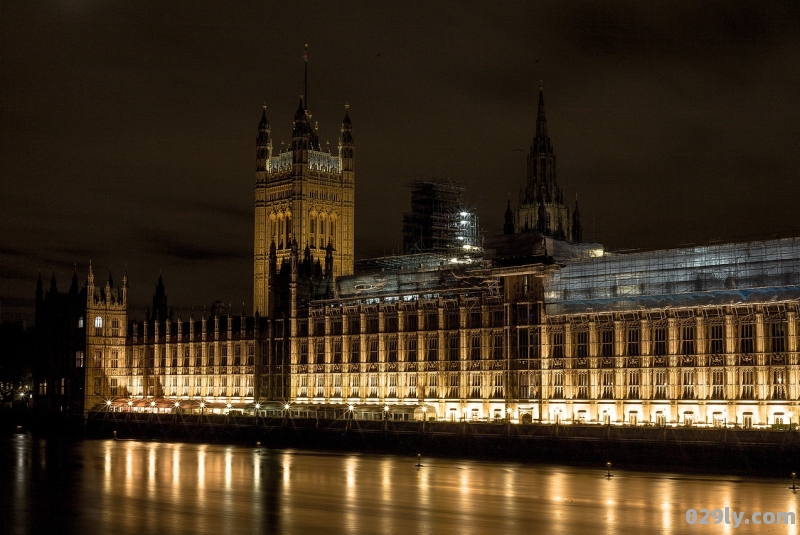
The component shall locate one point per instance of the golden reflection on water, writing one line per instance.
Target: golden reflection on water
(135, 487)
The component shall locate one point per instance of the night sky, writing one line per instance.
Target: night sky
(127, 129)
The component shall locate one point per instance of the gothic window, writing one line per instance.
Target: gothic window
(608, 385)
(251, 355)
(355, 385)
(412, 386)
(453, 348)
(337, 352)
(337, 386)
(453, 320)
(499, 389)
(433, 386)
(475, 383)
(777, 333)
(98, 326)
(717, 384)
(633, 384)
(237, 355)
(558, 385)
(717, 339)
(373, 350)
(748, 386)
(320, 352)
(475, 347)
(355, 351)
(475, 320)
(355, 325)
(779, 384)
(432, 321)
(607, 343)
(660, 383)
(633, 341)
(224, 358)
(747, 338)
(80, 322)
(433, 349)
(687, 340)
(303, 359)
(557, 339)
(392, 352)
(497, 348)
(582, 344)
(114, 359)
(454, 385)
(392, 386)
(412, 349)
(583, 385)
(688, 377)
(320, 386)
(660, 341)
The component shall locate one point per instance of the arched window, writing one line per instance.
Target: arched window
(98, 326)
(80, 322)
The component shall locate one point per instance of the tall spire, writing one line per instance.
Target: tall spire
(305, 78)
(541, 120)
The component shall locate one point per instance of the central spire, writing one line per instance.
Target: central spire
(305, 79)
(541, 120)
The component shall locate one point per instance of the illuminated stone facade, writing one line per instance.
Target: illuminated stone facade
(698, 336)
(303, 195)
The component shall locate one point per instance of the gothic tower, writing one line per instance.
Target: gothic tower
(303, 194)
(541, 205)
(106, 326)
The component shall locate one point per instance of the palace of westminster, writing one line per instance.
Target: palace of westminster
(530, 326)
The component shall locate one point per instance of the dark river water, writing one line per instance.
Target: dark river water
(164, 488)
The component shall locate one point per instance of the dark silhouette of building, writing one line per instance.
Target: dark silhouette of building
(60, 347)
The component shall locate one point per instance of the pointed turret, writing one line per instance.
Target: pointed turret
(90, 285)
(263, 143)
(541, 119)
(577, 231)
(160, 309)
(301, 137)
(508, 226)
(346, 144)
(73, 287)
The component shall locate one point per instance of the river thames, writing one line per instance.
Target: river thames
(155, 487)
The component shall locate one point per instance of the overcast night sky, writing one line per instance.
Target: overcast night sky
(127, 129)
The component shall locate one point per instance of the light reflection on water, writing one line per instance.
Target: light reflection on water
(150, 487)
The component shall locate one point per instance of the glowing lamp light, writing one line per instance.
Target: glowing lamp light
(351, 407)
(286, 407)
(152, 403)
(228, 405)
(130, 404)
(177, 405)
(202, 404)
(258, 406)
(108, 402)
(386, 408)
(508, 410)
(424, 409)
